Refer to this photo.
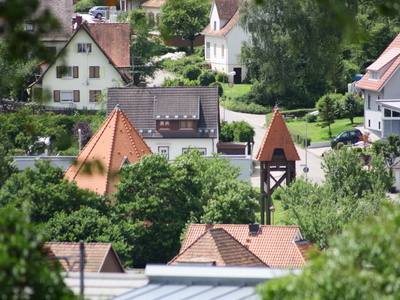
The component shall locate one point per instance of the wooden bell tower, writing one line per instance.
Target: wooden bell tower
(277, 156)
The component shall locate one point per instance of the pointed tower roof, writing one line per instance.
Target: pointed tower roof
(217, 247)
(277, 137)
(116, 143)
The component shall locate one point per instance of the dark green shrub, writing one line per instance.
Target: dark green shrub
(191, 72)
(206, 78)
(221, 77)
(179, 82)
(310, 118)
(220, 89)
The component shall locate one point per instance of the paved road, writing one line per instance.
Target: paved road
(312, 156)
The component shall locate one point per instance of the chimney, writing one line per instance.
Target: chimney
(209, 225)
(77, 22)
(254, 229)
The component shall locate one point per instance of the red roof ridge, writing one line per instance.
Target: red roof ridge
(277, 136)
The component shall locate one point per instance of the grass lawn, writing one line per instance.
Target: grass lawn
(235, 91)
(319, 134)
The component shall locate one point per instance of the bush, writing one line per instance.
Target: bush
(206, 78)
(178, 81)
(221, 77)
(220, 89)
(251, 108)
(85, 5)
(191, 72)
(310, 118)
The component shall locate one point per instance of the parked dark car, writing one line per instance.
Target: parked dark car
(347, 137)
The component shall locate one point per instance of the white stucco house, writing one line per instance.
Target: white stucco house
(153, 10)
(170, 119)
(128, 5)
(380, 89)
(224, 37)
(96, 57)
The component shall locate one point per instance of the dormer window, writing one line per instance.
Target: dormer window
(164, 125)
(374, 75)
(186, 125)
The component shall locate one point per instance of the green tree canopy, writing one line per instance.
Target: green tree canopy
(186, 18)
(25, 270)
(326, 106)
(351, 106)
(362, 263)
(349, 194)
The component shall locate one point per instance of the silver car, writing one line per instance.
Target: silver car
(100, 11)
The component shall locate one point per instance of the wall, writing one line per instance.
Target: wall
(109, 76)
(176, 145)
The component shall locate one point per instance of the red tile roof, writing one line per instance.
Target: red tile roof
(389, 59)
(217, 247)
(100, 257)
(115, 143)
(277, 137)
(276, 246)
(114, 39)
(226, 8)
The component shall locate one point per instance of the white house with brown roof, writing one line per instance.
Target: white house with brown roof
(96, 57)
(380, 90)
(171, 120)
(224, 37)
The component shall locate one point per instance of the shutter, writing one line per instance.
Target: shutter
(92, 95)
(59, 71)
(57, 96)
(76, 72)
(77, 96)
(91, 72)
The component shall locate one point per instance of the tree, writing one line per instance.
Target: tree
(390, 149)
(351, 106)
(349, 194)
(326, 111)
(7, 167)
(185, 18)
(240, 131)
(206, 78)
(362, 264)
(42, 192)
(25, 271)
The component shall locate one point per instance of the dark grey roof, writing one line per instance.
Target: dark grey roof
(201, 282)
(144, 106)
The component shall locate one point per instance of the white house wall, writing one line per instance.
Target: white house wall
(109, 76)
(176, 147)
(373, 113)
(392, 90)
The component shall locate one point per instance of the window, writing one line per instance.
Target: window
(164, 124)
(387, 113)
(94, 95)
(215, 25)
(94, 72)
(208, 46)
(374, 75)
(84, 47)
(186, 125)
(164, 150)
(67, 72)
(379, 125)
(379, 107)
(215, 50)
(29, 26)
(223, 51)
(369, 123)
(369, 101)
(66, 96)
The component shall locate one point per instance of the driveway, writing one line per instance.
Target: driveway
(310, 157)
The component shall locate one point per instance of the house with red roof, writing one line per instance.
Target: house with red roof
(96, 57)
(223, 39)
(275, 246)
(379, 88)
(116, 143)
